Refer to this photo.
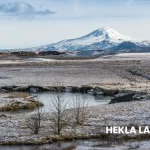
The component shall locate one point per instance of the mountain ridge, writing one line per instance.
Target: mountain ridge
(101, 39)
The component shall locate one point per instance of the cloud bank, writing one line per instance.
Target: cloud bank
(22, 9)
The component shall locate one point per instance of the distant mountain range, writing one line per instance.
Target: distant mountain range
(100, 39)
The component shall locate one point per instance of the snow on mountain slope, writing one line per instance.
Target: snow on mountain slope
(103, 38)
(106, 34)
(143, 43)
(100, 39)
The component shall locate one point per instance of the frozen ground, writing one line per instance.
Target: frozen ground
(69, 72)
(13, 129)
(111, 72)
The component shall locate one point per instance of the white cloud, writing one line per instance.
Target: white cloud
(22, 9)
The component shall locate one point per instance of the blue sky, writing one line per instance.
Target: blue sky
(47, 21)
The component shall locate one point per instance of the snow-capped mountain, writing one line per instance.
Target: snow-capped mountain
(101, 39)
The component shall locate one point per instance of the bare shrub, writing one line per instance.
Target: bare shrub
(59, 116)
(33, 122)
(80, 111)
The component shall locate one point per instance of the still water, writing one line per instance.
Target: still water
(69, 98)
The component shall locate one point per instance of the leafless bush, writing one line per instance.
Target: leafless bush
(33, 122)
(80, 111)
(59, 116)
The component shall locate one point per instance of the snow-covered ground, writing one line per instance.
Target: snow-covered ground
(133, 55)
(110, 71)
(107, 72)
(13, 128)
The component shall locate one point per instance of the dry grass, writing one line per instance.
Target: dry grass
(23, 95)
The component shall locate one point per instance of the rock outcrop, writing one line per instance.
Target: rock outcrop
(122, 97)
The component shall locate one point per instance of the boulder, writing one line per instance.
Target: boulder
(122, 97)
(75, 89)
(110, 92)
(84, 89)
